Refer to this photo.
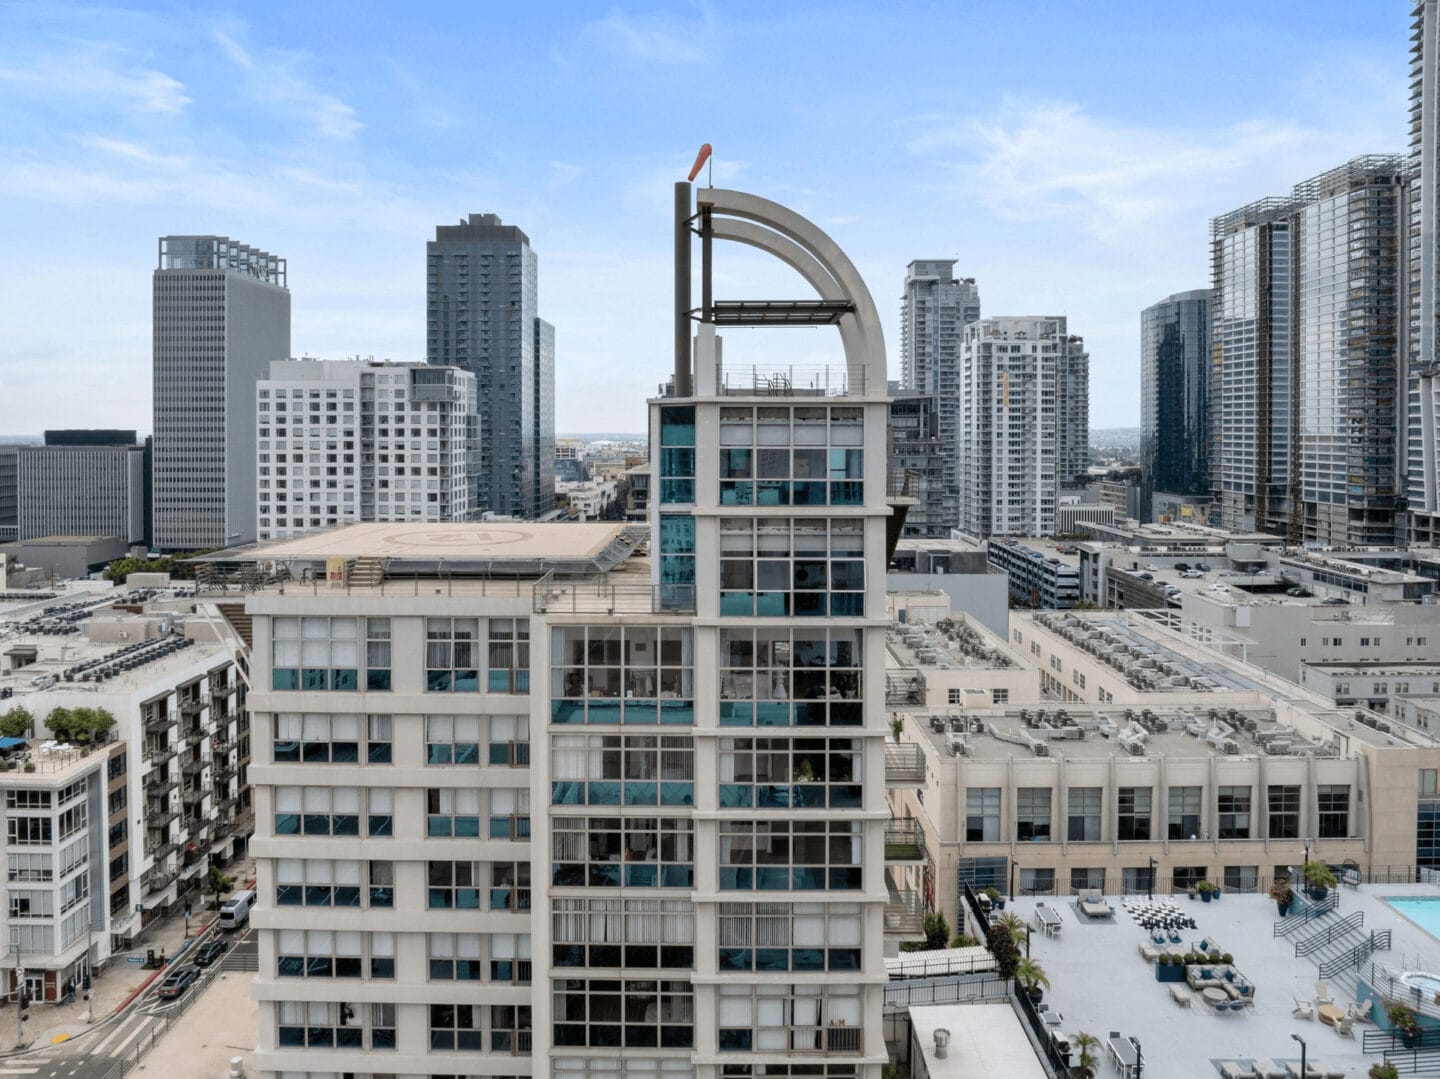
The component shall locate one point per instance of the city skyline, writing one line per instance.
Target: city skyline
(1077, 196)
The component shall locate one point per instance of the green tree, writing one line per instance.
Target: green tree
(60, 721)
(90, 724)
(937, 931)
(16, 723)
(217, 883)
(1002, 947)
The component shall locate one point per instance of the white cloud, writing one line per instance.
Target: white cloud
(272, 77)
(100, 76)
(653, 40)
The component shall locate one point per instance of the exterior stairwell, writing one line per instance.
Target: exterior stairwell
(367, 572)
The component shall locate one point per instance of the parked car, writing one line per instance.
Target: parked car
(1180, 567)
(1152, 567)
(1297, 591)
(1147, 576)
(1203, 567)
(1218, 587)
(1335, 601)
(176, 984)
(210, 951)
(1191, 573)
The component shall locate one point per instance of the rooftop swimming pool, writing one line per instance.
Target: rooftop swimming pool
(1424, 911)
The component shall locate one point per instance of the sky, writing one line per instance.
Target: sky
(1068, 154)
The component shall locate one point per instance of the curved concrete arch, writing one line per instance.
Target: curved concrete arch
(803, 263)
(865, 351)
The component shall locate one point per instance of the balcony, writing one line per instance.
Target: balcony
(904, 913)
(158, 722)
(192, 706)
(162, 849)
(905, 689)
(159, 818)
(905, 841)
(159, 754)
(904, 765)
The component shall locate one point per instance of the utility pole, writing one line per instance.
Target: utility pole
(19, 997)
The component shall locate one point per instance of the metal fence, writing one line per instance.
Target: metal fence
(162, 1024)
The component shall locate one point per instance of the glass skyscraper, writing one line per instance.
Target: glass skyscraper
(1175, 394)
(482, 316)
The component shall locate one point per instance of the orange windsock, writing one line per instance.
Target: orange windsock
(700, 159)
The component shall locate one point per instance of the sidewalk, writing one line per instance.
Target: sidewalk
(51, 1023)
(222, 1024)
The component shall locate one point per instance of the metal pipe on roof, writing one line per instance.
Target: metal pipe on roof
(682, 289)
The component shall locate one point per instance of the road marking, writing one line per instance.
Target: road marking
(140, 1028)
(59, 1038)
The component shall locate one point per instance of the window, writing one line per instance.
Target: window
(790, 855)
(318, 1025)
(508, 670)
(1032, 815)
(802, 459)
(317, 811)
(377, 654)
(510, 886)
(450, 812)
(455, 957)
(801, 773)
(1134, 813)
(452, 886)
(955, 696)
(614, 769)
(599, 933)
(1037, 881)
(1078, 679)
(510, 741)
(456, 1027)
(677, 454)
(1334, 806)
(1427, 782)
(609, 1013)
(1184, 820)
(317, 882)
(999, 696)
(316, 739)
(509, 814)
(641, 852)
(622, 674)
(1234, 813)
(314, 653)
(782, 678)
(1185, 877)
(771, 937)
(1083, 825)
(510, 958)
(452, 655)
(510, 1029)
(1284, 812)
(382, 884)
(1082, 879)
(789, 1018)
(1241, 878)
(318, 953)
(805, 567)
(982, 815)
(28, 831)
(677, 562)
(1137, 879)
(31, 867)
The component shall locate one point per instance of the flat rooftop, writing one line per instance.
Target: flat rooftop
(481, 541)
(1099, 982)
(985, 1039)
(956, 643)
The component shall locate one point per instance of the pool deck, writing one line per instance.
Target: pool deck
(1099, 982)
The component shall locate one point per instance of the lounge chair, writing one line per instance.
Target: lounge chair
(1345, 1027)
(1268, 1069)
(1148, 953)
(1322, 993)
(1360, 1010)
(1091, 903)
(1304, 1009)
(1179, 996)
(1236, 1069)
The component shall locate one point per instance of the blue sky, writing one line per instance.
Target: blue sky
(1068, 154)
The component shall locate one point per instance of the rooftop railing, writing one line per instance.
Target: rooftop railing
(789, 381)
(603, 594)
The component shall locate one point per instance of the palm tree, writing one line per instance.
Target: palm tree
(1032, 976)
(1087, 1045)
(1015, 926)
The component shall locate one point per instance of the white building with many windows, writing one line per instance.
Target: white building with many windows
(533, 804)
(341, 441)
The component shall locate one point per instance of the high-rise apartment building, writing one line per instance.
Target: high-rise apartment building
(221, 314)
(1175, 395)
(1419, 451)
(482, 316)
(82, 483)
(935, 309)
(1024, 422)
(1306, 304)
(580, 814)
(342, 441)
(917, 451)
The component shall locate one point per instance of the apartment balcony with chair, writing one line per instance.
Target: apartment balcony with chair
(158, 720)
(904, 911)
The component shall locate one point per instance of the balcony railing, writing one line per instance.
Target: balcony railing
(905, 689)
(606, 595)
(157, 722)
(789, 381)
(904, 764)
(904, 840)
(905, 913)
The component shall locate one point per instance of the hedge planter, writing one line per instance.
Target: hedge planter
(1169, 972)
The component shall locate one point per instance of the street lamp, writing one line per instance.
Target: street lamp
(1302, 1052)
(1150, 882)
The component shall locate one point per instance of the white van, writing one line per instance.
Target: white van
(235, 911)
